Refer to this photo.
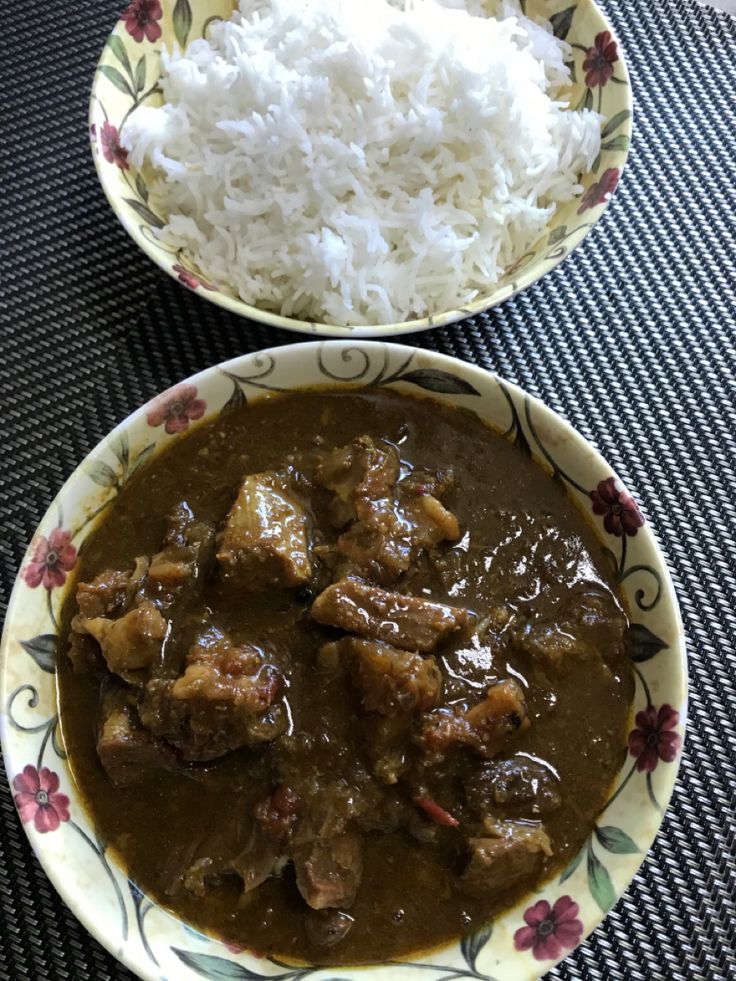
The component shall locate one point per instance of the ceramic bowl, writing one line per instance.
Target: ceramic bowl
(526, 941)
(127, 76)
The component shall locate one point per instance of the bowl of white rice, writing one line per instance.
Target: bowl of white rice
(360, 169)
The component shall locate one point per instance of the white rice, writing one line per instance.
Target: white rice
(363, 161)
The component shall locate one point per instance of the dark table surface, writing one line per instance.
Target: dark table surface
(633, 339)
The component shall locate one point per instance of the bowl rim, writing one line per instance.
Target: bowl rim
(525, 278)
(54, 866)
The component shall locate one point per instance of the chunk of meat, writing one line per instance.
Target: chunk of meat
(361, 471)
(109, 593)
(409, 622)
(590, 624)
(393, 520)
(379, 545)
(387, 744)
(329, 870)
(329, 658)
(501, 714)
(326, 802)
(218, 671)
(224, 700)
(390, 680)
(126, 749)
(84, 653)
(131, 643)
(420, 480)
(261, 858)
(278, 814)
(484, 728)
(105, 596)
(264, 542)
(183, 528)
(443, 731)
(172, 566)
(164, 716)
(391, 533)
(382, 809)
(516, 783)
(180, 558)
(420, 496)
(504, 860)
(437, 523)
(202, 875)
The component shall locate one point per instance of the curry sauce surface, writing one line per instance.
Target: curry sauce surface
(524, 545)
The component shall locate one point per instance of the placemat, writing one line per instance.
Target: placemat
(633, 339)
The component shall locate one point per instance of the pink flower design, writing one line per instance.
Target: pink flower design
(175, 408)
(550, 929)
(599, 60)
(38, 798)
(110, 145)
(142, 19)
(653, 739)
(189, 279)
(52, 558)
(621, 514)
(600, 190)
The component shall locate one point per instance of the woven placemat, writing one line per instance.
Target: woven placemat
(633, 339)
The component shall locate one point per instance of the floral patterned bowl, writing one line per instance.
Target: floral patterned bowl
(127, 76)
(521, 944)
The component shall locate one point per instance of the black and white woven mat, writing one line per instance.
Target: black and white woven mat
(633, 339)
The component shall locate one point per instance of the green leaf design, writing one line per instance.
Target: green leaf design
(643, 645)
(182, 21)
(114, 76)
(615, 840)
(471, 946)
(142, 457)
(614, 122)
(216, 968)
(435, 380)
(562, 21)
(140, 186)
(573, 70)
(586, 100)
(619, 142)
(144, 212)
(557, 234)
(120, 447)
(572, 865)
(236, 400)
(101, 474)
(599, 882)
(117, 47)
(43, 651)
(140, 74)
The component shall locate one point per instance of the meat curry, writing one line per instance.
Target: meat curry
(346, 676)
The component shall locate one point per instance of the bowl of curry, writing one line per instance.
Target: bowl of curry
(337, 658)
